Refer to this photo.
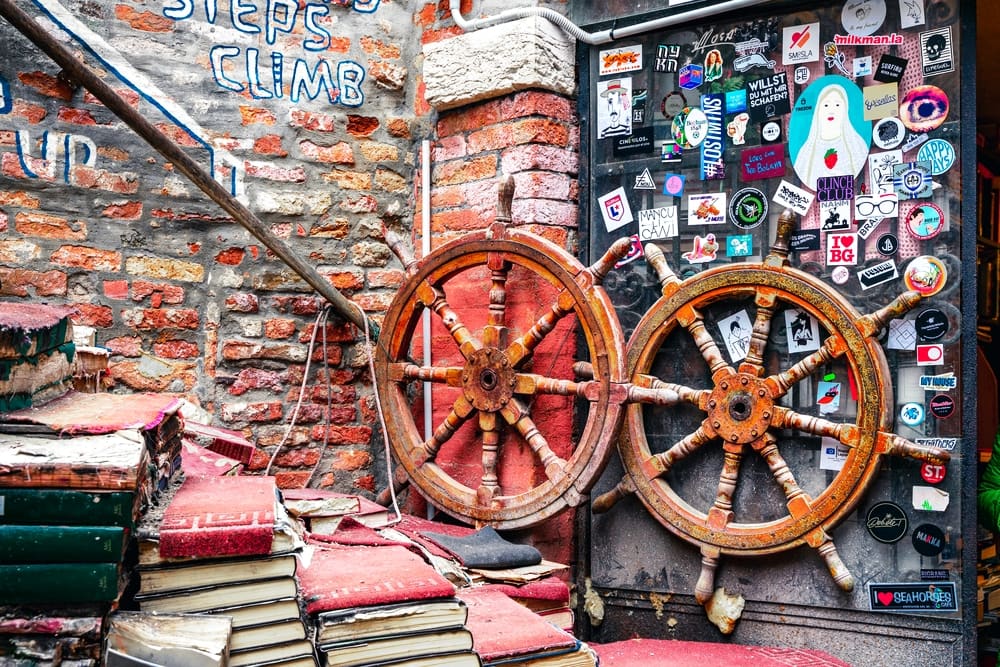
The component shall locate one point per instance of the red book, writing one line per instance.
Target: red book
(503, 630)
(224, 441)
(340, 577)
(219, 516)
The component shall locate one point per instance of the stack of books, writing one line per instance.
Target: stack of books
(225, 546)
(36, 354)
(383, 605)
(137, 639)
(321, 510)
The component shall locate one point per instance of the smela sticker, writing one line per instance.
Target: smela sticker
(800, 44)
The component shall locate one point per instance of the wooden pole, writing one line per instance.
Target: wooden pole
(80, 74)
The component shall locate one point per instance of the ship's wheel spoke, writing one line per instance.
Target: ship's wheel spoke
(517, 416)
(754, 361)
(532, 383)
(660, 464)
(831, 348)
(695, 324)
(890, 443)
(495, 332)
(434, 298)
(521, 349)
(652, 390)
(799, 503)
(460, 413)
(407, 372)
(721, 512)
(490, 483)
(847, 434)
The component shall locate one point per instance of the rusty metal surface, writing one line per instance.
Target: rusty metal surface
(493, 385)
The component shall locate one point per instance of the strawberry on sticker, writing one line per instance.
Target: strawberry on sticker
(830, 158)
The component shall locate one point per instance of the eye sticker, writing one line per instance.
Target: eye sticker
(923, 108)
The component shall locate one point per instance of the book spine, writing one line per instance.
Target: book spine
(67, 507)
(56, 544)
(38, 583)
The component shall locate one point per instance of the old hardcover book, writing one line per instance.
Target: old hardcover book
(109, 461)
(365, 652)
(38, 583)
(460, 659)
(27, 329)
(200, 462)
(304, 503)
(68, 507)
(57, 544)
(199, 573)
(259, 636)
(259, 613)
(382, 620)
(191, 600)
(45, 633)
(169, 640)
(224, 441)
(28, 381)
(295, 652)
(369, 513)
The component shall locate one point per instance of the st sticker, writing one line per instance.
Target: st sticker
(615, 209)
(748, 208)
(927, 596)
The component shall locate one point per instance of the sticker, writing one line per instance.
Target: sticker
(713, 65)
(768, 97)
(912, 180)
(673, 104)
(925, 274)
(671, 152)
(828, 397)
(881, 101)
(667, 58)
(840, 275)
(748, 208)
(885, 205)
(615, 209)
(930, 499)
(931, 354)
(887, 245)
(862, 67)
(902, 335)
(832, 454)
(912, 414)
(691, 76)
(639, 107)
(835, 215)
(793, 197)
(888, 133)
(619, 61)
(841, 249)
(923, 108)
(931, 324)
(914, 142)
(736, 330)
(937, 596)
(936, 54)
(911, 13)
(939, 153)
(802, 330)
(614, 114)
(800, 44)
(770, 132)
(634, 252)
(737, 128)
(763, 162)
(877, 274)
(831, 188)
(943, 382)
(713, 165)
(868, 226)
(827, 132)
(941, 406)
(695, 127)
(736, 100)
(890, 69)
(658, 223)
(751, 53)
(863, 17)
(886, 522)
(947, 444)
(673, 184)
(833, 57)
(925, 221)
(703, 250)
(644, 181)
(640, 141)
(935, 574)
(707, 209)
(880, 166)
(740, 245)
(807, 239)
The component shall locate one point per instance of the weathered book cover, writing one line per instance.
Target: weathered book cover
(503, 629)
(385, 620)
(264, 635)
(37, 583)
(338, 577)
(197, 573)
(28, 329)
(276, 655)
(57, 544)
(109, 461)
(260, 613)
(211, 597)
(31, 380)
(356, 653)
(200, 462)
(192, 640)
(224, 441)
(68, 507)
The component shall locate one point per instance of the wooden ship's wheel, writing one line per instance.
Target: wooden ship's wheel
(746, 410)
(537, 338)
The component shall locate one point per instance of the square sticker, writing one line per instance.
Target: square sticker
(793, 197)
(618, 61)
(881, 101)
(736, 330)
(658, 223)
(936, 51)
(615, 209)
(707, 209)
(802, 330)
(841, 249)
(800, 44)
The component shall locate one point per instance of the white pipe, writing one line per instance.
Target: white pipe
(425, 249)
(602, 37)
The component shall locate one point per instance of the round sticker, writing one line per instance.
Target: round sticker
(840, 275)
(673, 103)
(939, 153)
(928, 539)
(925, 221)
(827, 131)
(925, 274)
(678, 125)
(673, 185)
(863, 17)
(887, 245)
(695, 127)
(931, 324)
(942, 406)
(912, 414)
(770, 131)
(748, 208)
(923, 108)
(932, 473)
(887, 522)
(888, 133)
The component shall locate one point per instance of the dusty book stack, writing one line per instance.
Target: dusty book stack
(36, 354)
(224, 546)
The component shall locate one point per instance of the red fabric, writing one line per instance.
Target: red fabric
(82, 413)
(672, 653)
(351, 532)
(219, 516)
(502, 628)
(341, 577)
(552, 589)
(32, 316)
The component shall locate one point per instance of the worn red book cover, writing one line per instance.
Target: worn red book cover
(550, 589)
(338, 577)
(224, 441)
(501, 628)
(219, 516)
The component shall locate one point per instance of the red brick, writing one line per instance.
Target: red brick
(22, 282)
(112, 153)
(87, 177)
(4, 224)
(243, 303)
(480, 195)
(430, 36)
(124, 346)
(393, 278)
(340, 332)
(315, 122)
(32, 113)
(230, 256)
(116, 289)
(296, 305)
(339, 44)
(259, 462)
(421, 107)
(339, 153)
(75, 116)
(130, 210)
(398, 127)
(177, 134)
(527, 131)
(278, 328)
(530, 157)
(50, 226)
(373, 46)
(256, 378)
(274, 173)
(252, 412)
(463, 171)
(361, 126)
(350, 459)
(468, 119)
(176, 349)
(450, 148)
(93, 315)
(298, 457)
(144, 21)
(360, 204)
(172, 294)
(156, 319)
(256, 116)
(461, 220)
(48, 85)
(92, 259)
(546, 211)
(334, 354)
(343, 435)
(240, 350)
(18, 198)
(346, 280)
(131, 375)
(425, 16)
(291, 480)
(537, 103)
(269, 144)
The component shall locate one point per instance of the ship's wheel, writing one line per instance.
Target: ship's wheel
(747, 410)
(524, 338)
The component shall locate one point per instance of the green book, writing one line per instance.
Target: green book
(67, 507)
(58, 544)
(58, 583)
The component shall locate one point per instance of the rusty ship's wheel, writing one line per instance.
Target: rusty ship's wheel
(513, 349)
(745, 410)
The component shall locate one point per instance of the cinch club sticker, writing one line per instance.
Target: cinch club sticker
(937, 596)
(886, 522)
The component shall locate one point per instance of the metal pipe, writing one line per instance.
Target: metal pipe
(80, 74)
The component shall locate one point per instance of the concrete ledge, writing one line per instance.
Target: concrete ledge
(483, 64)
